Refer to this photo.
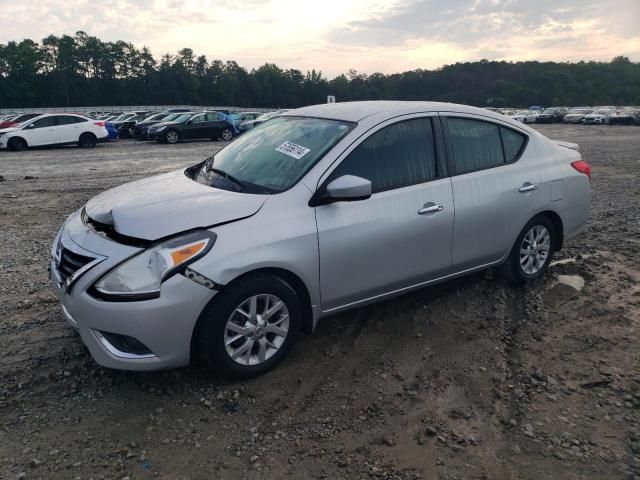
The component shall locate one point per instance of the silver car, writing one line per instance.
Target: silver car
(323, 209)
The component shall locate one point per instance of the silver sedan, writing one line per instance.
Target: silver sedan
(322, 209)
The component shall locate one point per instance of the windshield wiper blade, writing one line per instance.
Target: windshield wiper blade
(229, 177)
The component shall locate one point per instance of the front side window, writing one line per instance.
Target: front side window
(396, 156)
(198, 118)
(272, 157)
(42, 123)
(478, 145)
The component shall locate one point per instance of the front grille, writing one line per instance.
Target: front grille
(68, 263)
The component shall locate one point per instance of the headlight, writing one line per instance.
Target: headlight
(140, 277)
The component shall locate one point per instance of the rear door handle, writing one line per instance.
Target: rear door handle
(527, 187)
(430, 207)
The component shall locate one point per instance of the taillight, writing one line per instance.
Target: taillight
(100, 124)
(582, 167)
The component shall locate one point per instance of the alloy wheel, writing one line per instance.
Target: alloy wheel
(535, 249)
(227, 135)
(256, 329)
(172, 137)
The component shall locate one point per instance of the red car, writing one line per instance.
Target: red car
(13, 121)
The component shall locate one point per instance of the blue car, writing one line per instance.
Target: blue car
(111, 130)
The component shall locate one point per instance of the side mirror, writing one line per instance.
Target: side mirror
(347, 188)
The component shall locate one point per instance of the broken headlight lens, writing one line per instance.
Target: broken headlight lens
(140, 277)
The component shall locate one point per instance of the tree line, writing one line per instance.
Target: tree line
(82, 70)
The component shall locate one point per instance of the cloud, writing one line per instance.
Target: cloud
(335, 35)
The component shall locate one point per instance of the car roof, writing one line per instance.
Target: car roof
(356, 111)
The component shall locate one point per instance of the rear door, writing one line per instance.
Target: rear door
(69, 128)
(42, 131)
(195, 127)
(401, 235)
(215, 125)
(495, 180)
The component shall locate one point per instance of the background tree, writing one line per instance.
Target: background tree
(82, 70)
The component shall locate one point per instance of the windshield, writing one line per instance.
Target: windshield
(267, 116)
(272, 157)
(549, 110)
(183, 117)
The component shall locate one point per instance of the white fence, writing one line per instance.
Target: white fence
(129, 108)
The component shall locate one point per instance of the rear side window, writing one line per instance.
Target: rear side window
(478, 145)
(68, 120)
(513, 143)
(396, 156)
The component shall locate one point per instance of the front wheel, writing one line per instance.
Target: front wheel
(172, 137)
(226, 134)
(532, 251)
(249, 327)
(17, 144)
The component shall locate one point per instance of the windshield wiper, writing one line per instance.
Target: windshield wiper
(229, 177)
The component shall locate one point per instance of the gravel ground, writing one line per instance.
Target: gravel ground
(473, 379)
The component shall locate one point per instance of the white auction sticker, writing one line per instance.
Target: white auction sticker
(293, 150)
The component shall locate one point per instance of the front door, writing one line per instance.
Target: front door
(42, 131)
(400, 236)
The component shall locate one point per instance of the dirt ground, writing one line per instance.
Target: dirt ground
(473, 379)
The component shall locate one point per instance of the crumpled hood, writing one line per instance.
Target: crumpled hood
(170, 203)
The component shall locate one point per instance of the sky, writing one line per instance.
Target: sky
(335, 36)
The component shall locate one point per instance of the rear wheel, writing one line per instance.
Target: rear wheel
(87, 140)
(17, 144)
(226, 134)
(532, 251)
(249, 327)
(172, 136)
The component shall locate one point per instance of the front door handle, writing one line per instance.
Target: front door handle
(527, 187)
(430, 207)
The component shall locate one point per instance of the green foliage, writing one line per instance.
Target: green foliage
(82, 70)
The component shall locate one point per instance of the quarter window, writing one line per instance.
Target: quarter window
(399, 155)
(513, 143)
(478, 145)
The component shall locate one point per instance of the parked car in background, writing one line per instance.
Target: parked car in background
(599, 116)
(141, 129)
(192, 126)
(193, 263)
(18, 119)
(111, 131)
(576, 114)
(248, 125)
(626, 116)
(239, 117)
(126, 128)
(525, 116)
(552, 115)
(54, 129)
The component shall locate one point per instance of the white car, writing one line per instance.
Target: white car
(54, 129)
(599, 116)
(525, 116)
(576, 114)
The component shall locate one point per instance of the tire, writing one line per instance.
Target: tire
(213, 337)
(518, 269)
(17, 144)
(226, 135)
(87, 140)
(172, 137)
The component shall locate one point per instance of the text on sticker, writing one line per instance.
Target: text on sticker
(293, 150)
